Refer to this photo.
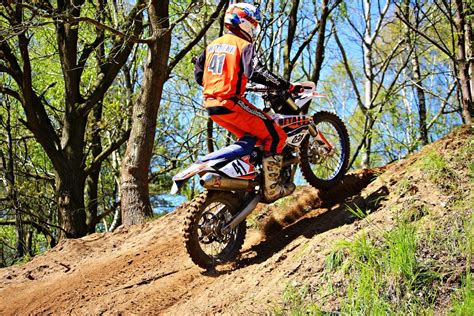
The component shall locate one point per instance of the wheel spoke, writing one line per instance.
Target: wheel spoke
(212, 242)
(319, 167)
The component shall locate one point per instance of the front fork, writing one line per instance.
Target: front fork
(320, 137)
(312, 128)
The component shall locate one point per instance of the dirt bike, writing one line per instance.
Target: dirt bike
(215, 227)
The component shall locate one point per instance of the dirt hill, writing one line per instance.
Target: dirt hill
(289, 253)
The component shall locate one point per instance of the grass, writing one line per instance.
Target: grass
(422, 266)
(465, 304)
(295, 302)
(356, 211)
(386, 275)
(438, 171)
(434, 164)
(464, 157)
(406, 270)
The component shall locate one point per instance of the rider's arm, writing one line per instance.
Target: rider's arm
(199, 68)
(256, 72)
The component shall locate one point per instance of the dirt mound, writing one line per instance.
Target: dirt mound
(145, 269)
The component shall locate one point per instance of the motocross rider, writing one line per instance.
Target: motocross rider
(223, 70)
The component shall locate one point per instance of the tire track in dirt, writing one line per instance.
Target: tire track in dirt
(145, 269)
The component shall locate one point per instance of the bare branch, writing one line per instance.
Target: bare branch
(424, 35)
(349, 71)
(187, 48)
(104, 154)
(382, 13)
(308, 40)
(441, 110)
(10, 92)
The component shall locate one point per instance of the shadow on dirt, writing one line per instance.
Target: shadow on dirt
(331, 213)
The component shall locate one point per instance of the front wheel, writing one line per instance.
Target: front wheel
(325, 157)
(206, 243)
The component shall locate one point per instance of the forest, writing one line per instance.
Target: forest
(99, 107)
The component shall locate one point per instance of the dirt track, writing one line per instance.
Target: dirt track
(145, 269)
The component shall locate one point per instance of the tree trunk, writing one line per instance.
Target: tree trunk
(320, 47)
(117, 219)
(70, 190)
(470, 48)
(416, 74)
(368, 102)
(368, 41)
(292, 24)
(92, 181)
(271, 16)
(29, 243)
(463, 66)
(10, 186)
(135, 201)
(420, 93)
(70, 180)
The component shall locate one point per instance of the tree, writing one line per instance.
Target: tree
(375, 62)
(295, 36)
(134, 174)
(135, 201)
(458, 47)
(411, 43)
(11, 194)
(65, 145)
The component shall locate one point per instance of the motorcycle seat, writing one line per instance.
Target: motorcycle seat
(240, 148)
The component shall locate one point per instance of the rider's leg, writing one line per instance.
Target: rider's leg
(274, 188)
(237, 115)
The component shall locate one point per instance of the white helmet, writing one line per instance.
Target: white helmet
(243, 20)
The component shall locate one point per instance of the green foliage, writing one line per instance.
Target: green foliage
(434, 165)
(464, 306)
(7, 245)
(383, 277)
(295, 302)
(357, 212)
(401, 244)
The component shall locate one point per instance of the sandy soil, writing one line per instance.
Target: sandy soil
(145, 270)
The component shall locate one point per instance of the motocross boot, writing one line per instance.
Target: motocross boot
(273, 188)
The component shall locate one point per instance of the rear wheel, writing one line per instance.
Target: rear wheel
(205, 242)
(321, 165)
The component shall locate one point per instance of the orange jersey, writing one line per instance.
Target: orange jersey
(224, 72)
(226, 66)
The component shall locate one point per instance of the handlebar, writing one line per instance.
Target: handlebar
(262, 88)
(266, 89)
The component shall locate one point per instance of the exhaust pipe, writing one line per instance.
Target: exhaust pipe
(216, 182)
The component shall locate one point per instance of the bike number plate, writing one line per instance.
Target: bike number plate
(295, 140)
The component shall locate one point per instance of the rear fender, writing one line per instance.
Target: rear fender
(196, 168)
